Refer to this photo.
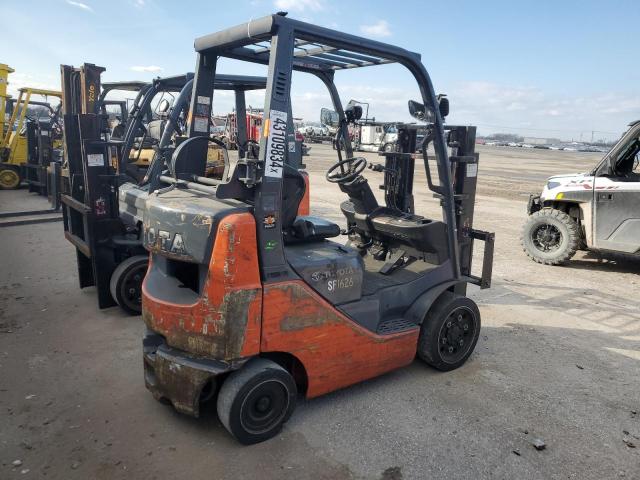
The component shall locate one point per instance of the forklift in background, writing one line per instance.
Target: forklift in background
(248, 303)
(21, 138)
(44, 148)
(5, 70)
(102, 198)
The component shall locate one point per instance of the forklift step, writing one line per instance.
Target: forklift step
(16, 220)
(395, 325)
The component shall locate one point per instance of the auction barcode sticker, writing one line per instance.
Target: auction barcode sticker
(276, 144)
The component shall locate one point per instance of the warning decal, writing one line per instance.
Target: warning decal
(95, 160)
(201, 125)
(276, 144)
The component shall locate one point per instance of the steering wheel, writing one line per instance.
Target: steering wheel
(356, 167)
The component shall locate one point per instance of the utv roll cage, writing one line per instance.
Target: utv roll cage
(287, 45)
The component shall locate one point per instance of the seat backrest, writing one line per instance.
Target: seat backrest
(293, 189)
(155, 129)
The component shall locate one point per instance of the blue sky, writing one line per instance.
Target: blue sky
(540, 68)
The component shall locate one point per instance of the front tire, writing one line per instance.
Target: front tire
(10, 178)
(449, 332)
(255, 401)
(126, 283)
(551, 237)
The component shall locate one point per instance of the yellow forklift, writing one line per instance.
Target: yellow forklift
(5, 70)
(14, 138)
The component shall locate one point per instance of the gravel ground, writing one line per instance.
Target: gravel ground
(558, 360)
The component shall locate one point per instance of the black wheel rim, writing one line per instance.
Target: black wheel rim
(264, 407)
(547, 238)
(456, 335)
(132, 287)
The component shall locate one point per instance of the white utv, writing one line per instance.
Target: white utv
(598, 210)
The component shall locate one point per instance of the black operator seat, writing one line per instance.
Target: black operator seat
(117, 133)
(155, 128)
(301, 228)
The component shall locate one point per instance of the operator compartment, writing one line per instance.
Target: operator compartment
(331, 269)
(415, 231)
(396, 229)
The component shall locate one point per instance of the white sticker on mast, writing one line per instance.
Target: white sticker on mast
(200, 124)
(276, 144)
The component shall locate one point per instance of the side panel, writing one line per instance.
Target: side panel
(335, 351)
(224, 321)
(617, 214)
(18, 154)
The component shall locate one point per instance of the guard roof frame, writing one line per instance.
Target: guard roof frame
(286, 45)
(322, 48)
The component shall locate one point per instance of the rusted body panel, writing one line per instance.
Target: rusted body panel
(224, 321)
(176, 376)
(335, 351)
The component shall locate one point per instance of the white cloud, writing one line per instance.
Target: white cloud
(494, 108)
(80, 5)
(146, 68)
(528, 110)
(378, 29)
(300, 5)
(139, 3)
(19, 80)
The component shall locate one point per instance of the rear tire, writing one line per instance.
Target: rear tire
(449, 332)
(255, 401)
(551, 237)
(126, 283)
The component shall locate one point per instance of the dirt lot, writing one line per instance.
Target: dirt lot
(558, 360)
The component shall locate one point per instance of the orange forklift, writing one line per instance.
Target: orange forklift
(248, 303)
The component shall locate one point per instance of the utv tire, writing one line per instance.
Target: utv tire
(449, 332)
(126, 283)
(255, 401)
(551, 237)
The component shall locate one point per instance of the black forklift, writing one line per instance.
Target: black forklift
(44, 138)
(103, 185)
(274, 306)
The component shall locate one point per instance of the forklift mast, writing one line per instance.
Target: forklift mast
(89, 181)
(464, 167)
